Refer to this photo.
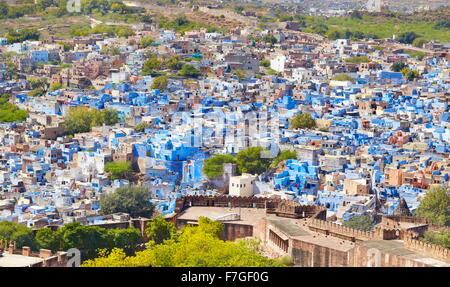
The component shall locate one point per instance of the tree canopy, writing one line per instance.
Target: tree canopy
(252, 161)
(303, 121)
(118, 169)
(362, 222)
(146, 41)
(82, 119)
(440, 237)
(435, 206)
(270, 39)
(158, 230)
(150, 66)
(159, 83)
(407, 37)
(133, 200)
(196, 246)
(88, 239)
(213, 167)
(22, 235)
(398, 66)
(282, 156)
(10, 112)
(140, 127)
(188, 70)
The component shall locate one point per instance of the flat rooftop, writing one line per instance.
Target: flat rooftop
(248, 216)
(15, 260)
(397, 247)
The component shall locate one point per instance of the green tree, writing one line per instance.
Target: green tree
(188, 70)
(303, 121)
(419, 42)
(197, 246)
(133, 200)
(407, 37)
(343, 77)
(88, 239)
(362, 222)
(241, 74)
(36, 83)
(265, 63)
(410, 74)
(398, 66)
(4, 9)
(282, 156)
(238, 9)
(22, 235)
(140, 127)
(252, 161)
(125, 238)
(443, 24)
(109, 117)
(173, 63)
(270, 39)
(20, 35)
(158, 230)
(56, 86)
(10, 112)
(49, 239)
(334, 34)
(440, 237)
(150, 66)
(146, 41)
(118, 169)
(82, 119)
(355, 14)
(357, 60)
(159, 83)
(435, 206)
(213, 167)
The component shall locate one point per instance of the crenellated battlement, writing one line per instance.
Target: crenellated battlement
(428, 249)
(280, 207)
(341, 231)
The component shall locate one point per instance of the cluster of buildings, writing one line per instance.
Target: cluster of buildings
(381, 139)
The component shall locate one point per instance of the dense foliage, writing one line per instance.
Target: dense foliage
(407, 37)
(82, 119)
(284, 155)
(10, 112)
(398, 66)
(11, 231)
(181, 25)
(343, 77)
(435, 206)
(159, 230)
(20, 35)
(88, 239)
(133, 200)
(362, 222)
(303, 121)
(213, 167)
(196, 246)
(252, 160)
(159, 83)
(357, 60)
(118, 169)
(140, 127)
(188, 70)
(440, 237)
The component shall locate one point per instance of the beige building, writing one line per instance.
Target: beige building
(356, 186)
(242, 185)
